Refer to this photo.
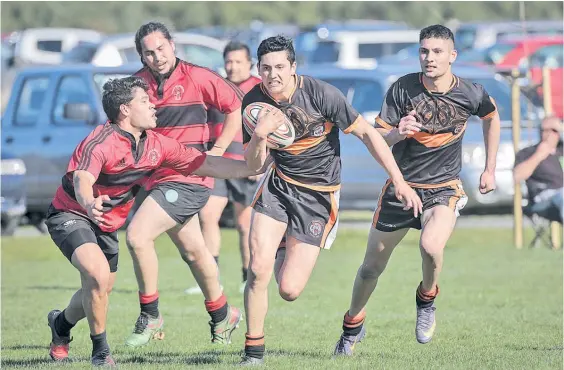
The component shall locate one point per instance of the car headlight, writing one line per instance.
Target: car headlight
(12, 167)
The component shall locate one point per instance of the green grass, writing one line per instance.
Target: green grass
(499, 308)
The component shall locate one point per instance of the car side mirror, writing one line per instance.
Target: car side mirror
(78, 112)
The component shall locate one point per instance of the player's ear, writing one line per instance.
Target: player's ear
(293, 68)
(124, 109)
(173, 46)
(453, 55)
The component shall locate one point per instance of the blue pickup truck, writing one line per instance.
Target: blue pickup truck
(51, 109)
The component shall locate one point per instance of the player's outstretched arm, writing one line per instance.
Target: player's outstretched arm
(226, 168)
(83, 183)
(231, 125)
(380, 150)
(491, 127)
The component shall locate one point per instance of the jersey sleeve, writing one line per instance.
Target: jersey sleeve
(88, 156)
(391, 111)
(485, 108)
(180, 158)
(218, 92)
(335, 107)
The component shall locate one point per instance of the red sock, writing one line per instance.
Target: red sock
(150, 303)
(217, 309)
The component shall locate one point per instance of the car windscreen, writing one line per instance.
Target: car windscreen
(364, 95)
(326, 52)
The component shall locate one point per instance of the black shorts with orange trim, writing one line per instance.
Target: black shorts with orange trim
(311, 215)
(390, 215)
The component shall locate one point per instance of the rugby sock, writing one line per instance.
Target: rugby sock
(425, 299)
(254, 346)
(149, 303)
(218, 308)
(62, 326)
(353, 325)
(99, 343)
(244, 274)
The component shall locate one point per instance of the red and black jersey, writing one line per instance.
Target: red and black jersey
(434, 155)
(121, 167)
(317, 110)
(235, 149)
(183, 101)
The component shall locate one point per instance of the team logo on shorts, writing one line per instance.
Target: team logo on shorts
(171, 196)
(177, 92)
(318, 131)
(315, 228)
(153, 156)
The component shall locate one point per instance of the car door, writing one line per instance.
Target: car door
(63, 134)
(22, 133)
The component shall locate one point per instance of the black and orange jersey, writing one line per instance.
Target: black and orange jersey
(317, 110)
(434, 155)
(183, 101)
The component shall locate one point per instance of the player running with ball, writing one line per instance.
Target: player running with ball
(300, 196)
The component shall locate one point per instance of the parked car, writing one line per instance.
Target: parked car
(480, 35)
(363, 178)
(120, 49)
(361, 49)
(13, 194)
(47, 45)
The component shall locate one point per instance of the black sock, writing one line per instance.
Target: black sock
(99, 343)
(244, 274)
(220, 314)
(425, 300)
(62, 326)
(151, 308)
(254, 346)
(353, 325)
(216, 258)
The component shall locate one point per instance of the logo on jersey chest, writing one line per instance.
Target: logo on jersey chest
(436, 115)
(317, 131)
(178, 92)
(153, 156)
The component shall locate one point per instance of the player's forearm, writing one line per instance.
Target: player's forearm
(380, 150)
(391, 136)
(225, 168)
(256, 152)
(231, 126)
(491, 128)
(525, 169)
(83, 182)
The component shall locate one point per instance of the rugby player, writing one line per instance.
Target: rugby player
(424, 116)
(183, 94)
(105, 172)
(298, 198)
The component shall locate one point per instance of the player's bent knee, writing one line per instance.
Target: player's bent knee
(288, 292)
(98, 281)
(430, 245)
(371, 271)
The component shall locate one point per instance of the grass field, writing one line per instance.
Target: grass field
(499, 308)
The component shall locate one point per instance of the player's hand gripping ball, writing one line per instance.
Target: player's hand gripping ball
(280, 138)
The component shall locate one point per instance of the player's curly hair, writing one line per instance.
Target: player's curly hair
(147, 29)
(119, 91)
(436, 31)
(277, 43)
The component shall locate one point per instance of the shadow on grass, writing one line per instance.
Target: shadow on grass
(24, 346)
(33, 362)
(535, 348)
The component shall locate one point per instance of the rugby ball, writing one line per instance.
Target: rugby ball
(279, 139)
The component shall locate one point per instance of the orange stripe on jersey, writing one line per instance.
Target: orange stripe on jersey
(350, 129)
(383, 123)
(377, 212)
(332, 220)
(436, 140)
(302, 145)
(312, 187)
(451, 183)
(487, 116)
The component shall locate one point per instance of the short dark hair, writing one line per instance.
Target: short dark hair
(277, 43)
(147, 29)
(234, 46)
(436, 31)
(119, 91)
